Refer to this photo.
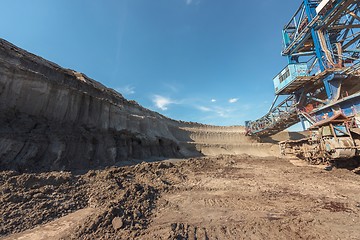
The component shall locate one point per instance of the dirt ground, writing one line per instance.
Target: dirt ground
(224, 197)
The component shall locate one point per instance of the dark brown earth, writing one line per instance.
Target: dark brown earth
(224, 197)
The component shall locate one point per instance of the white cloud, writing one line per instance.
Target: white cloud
(233, 100)
(192, 2)
(204, 109)
(213, 100)
(172, 87)
(162, 102)
(222, 112)
(126, 90)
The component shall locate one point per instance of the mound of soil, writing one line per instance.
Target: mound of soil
(223, 197)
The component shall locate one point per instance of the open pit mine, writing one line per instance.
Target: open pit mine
(79, 161)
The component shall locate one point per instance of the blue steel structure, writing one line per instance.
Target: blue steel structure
(322, 44)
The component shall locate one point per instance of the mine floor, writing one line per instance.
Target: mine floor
(224, 197)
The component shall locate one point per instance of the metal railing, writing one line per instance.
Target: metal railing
(277, 119)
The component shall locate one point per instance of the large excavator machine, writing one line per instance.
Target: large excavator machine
(320, 86)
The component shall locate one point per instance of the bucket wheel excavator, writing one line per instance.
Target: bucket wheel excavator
(320, 86)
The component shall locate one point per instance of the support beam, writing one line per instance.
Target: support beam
(337, 27)
(353, 15)
(351, 42)
(338, 10)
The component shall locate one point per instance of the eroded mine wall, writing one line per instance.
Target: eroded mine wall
(53, 118)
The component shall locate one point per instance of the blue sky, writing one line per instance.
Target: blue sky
(208, 61)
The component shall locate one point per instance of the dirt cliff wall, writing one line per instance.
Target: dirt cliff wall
(54, 118)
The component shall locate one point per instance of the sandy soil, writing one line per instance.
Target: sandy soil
(224, 197)
(57, 229)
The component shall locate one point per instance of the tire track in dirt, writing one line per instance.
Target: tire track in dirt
(223, 197)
